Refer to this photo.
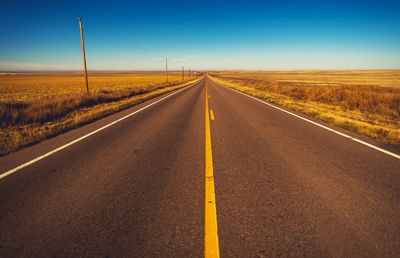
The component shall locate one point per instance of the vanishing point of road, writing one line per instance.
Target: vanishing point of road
(202, 171)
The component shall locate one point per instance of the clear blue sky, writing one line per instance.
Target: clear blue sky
(138, 35)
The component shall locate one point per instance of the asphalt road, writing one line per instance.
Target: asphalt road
(283, 186)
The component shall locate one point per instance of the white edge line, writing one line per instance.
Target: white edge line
(322, 126)
(11, 171)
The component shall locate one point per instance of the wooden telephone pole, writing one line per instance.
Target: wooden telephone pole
(166, 68)
(83, 53)
(183, 73)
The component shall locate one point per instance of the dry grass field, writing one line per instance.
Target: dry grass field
(367, 102)
(35, 106)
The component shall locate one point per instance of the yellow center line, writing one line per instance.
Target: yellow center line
(212, 115)
(211, 245)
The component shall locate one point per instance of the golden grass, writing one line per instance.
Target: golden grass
(37, 86)
(366, 102)
(37, 106)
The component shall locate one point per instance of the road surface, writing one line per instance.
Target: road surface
(203, 171)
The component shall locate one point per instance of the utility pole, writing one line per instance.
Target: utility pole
(166, 68)
(183, 73)
(189, 74)
(83, 53)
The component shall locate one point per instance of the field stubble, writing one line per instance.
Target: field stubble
(366, 102)
(36, 106)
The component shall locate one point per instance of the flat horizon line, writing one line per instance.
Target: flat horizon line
(201, 70)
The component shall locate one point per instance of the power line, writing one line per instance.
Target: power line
(126, 42)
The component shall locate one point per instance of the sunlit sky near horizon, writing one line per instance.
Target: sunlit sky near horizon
(139, 35)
